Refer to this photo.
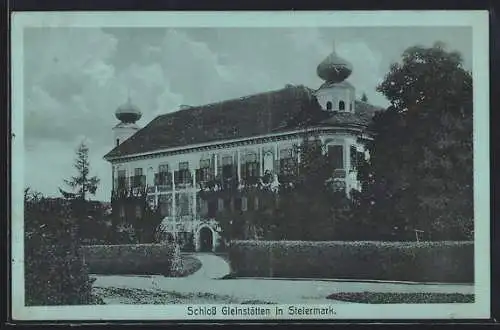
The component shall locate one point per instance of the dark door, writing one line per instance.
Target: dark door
(205, 240)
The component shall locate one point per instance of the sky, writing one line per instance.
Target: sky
(75, 78)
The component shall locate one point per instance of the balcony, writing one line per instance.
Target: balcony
(251, 180)
(339, 173)
(129, 186)
(220, 183)
(338, 185)
(138, 181)
(183, 179)
(203, 176)
(163, 182)
(121, 184)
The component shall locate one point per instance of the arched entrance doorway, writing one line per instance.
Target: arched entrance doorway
(206, 239)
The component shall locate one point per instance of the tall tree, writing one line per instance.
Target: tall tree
(146, 221)
(421, 174)
(82, 183)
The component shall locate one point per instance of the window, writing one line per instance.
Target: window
(256, 203)
(163, 177)
(228, 204)
(268, 162)
(250, 169)
(203, 174)
(203, 207)
(336, 156)
(117, 142)
(360, 158)
(353, 156)
(183, 176)
(350, 106)
(287, 165)
(163, 168)
(122, 179)
(164, 205)
(237, 204)
(328, 105)
(122, 211)
(138, 211)
(139, 180)
(341, 105)
(227, 167)
(182, 204)
(212, 208)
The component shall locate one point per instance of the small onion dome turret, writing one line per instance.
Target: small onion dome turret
(334, 69)
(128, 112)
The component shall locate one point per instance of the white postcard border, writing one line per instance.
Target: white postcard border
(477, 20)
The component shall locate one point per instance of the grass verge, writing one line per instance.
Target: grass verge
(402, 298)
(190, 265)
(139, 296)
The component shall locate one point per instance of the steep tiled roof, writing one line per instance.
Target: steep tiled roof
(253, 115)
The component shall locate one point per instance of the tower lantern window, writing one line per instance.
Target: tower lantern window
(341, 105)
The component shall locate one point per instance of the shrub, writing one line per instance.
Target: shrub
(138, 259)
(189, 247)
(402, 298)
(54, 270)
(398, 261)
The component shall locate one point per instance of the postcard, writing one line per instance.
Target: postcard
(250, 165)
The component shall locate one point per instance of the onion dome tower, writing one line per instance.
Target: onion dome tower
(335, 94)
(128, 114)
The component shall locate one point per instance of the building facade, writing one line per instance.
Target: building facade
(233, 144)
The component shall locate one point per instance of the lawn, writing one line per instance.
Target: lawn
(402, 298)
(190, 265)
(111, 296)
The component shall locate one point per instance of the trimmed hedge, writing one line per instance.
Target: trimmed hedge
(137, 259)
(365, 260)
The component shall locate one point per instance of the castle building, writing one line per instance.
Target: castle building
(236, 142)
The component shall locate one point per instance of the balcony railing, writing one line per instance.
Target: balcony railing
(339, 173)
(251, 180)
(226, 180)
(138, 181)
(123, 189)
(338, 185)
(121, 184)
(203, 175)
(163, 181)
(183, 179)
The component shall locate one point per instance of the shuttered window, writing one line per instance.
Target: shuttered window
(336, 156)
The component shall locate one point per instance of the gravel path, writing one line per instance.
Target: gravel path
(212, 267)
(206, 286)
